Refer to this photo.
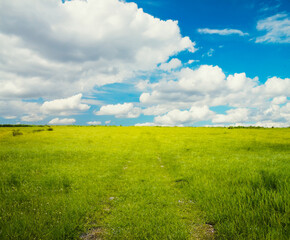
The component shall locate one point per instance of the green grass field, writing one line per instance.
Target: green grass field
(144, 183)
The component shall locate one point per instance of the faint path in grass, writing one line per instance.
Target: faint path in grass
(189, 212)
(147, 203)
(93, 234)
(96, 226)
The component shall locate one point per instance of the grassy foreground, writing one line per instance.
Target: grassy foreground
(144, 183)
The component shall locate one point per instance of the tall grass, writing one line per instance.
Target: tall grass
(144, 183)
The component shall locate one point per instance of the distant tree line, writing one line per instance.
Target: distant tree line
(21, 125)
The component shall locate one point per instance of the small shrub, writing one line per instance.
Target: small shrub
(38, 130)
(16, 132)
(50, 129)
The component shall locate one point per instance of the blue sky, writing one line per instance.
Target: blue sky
(174, 63)
(238, 54)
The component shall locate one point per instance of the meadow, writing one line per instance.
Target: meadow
(144, 183)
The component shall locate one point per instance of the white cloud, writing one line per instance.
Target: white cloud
(272, 124)
(94, 123)
(34, 111)
(177, 117)
(204, 79)
(108, 122)
(279, 100)
(232, 116)
(66, 106)
(209, 86)
(9, 117)
(32, 118)
(277, 113)
(221, 31)
(55, 50)
(16, 109)
(126, 110)
(191, 85)
(63, 121)
(192, 61)
(277, 29)
(276, 86)
(239, 82)
(210, 52)
(266, 124)
(285, 112)
(173, 64)
(147, 124)
(157, 110)
(142, 85)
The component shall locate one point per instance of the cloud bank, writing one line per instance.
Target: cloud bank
(63, 121)
(126, 110)
(54, 50)
(188, 96)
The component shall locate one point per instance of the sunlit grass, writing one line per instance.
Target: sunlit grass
(144, 183)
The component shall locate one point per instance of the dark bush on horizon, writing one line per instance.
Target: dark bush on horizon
(38, 130)
(15, 125)
(16, 132)
(249, 127)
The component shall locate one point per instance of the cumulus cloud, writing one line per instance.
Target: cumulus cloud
(65, 106)
(232, 116)
(142, 85)
(157, 109)
(285, 112)
(94, 123)
(239, 82)
(177, 117)
(172, 64)
(108, 122)
(208, 85)
(32, 118)
(276, 112)
(54, 50)
(190, 86)
(221, 31)
(205, 78)
(277, 29)
(251, 100)
(279, 100)
(15, 109)
(63, 121)
(276, 86)
(126, 110)
(34, 111)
